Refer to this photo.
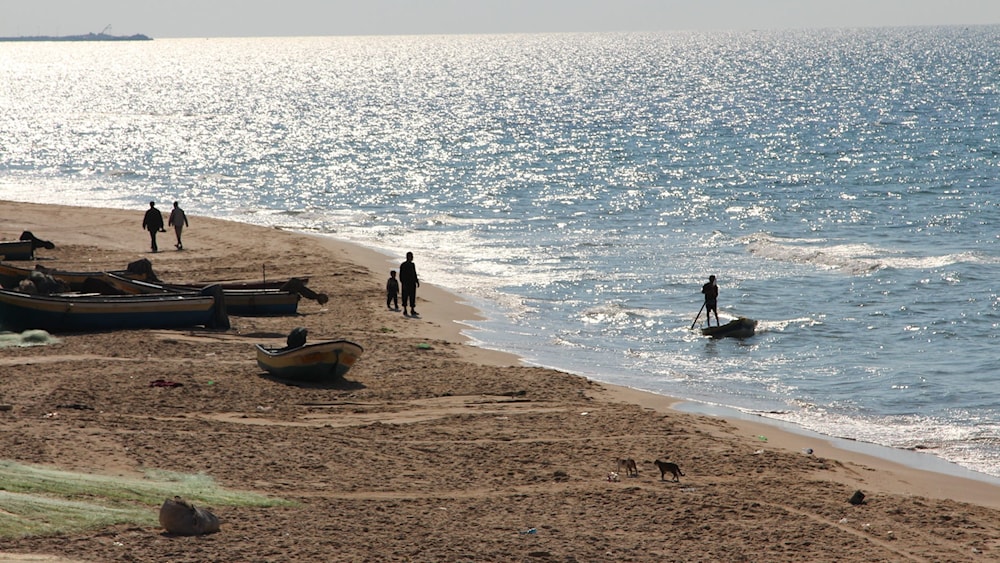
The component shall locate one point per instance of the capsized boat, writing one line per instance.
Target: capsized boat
(741, 327)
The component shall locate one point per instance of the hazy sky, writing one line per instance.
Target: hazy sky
(252, 18)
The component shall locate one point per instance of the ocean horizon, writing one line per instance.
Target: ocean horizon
(578, 189)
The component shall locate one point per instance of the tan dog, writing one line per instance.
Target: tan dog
(668, 467)
(631, 469)
(178, 516)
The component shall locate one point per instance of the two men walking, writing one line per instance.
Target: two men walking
(152, 221)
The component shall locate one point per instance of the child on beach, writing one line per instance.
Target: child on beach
(392, 292)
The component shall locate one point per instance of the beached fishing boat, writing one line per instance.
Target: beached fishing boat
(11, 276)
(92, 312)
(249, 299)
(17, 250)
(261, 302)
(736, 328)
(322, 362)
(243, 300)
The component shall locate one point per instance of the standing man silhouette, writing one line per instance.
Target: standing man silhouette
(409, 283)
(178, 220)
(711, 291)
(153, 222)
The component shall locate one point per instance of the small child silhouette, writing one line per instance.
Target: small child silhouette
(392, 292)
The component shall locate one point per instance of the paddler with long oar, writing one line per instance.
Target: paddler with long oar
(711, 291)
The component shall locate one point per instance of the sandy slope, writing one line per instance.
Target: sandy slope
(444, 453)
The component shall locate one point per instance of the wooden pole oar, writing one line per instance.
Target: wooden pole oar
(697, 316)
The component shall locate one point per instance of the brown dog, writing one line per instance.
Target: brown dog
(631, 469)
(668, 467)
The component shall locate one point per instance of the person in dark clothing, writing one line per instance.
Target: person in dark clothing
(409, 282)
(392, 292)
(711, 291)
(153, 222)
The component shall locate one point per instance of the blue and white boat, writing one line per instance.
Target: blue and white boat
(90, 312)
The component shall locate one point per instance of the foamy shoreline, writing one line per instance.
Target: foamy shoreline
(924, 470)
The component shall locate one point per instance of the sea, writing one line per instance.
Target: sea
(578, 189)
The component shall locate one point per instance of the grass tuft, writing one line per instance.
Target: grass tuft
(37, 500)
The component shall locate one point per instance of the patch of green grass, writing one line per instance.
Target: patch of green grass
(36, 500)
(36, 515)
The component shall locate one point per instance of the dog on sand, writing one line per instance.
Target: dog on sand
(628, 464)
(668, 467)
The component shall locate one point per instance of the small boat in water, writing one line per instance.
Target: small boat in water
(736, 328)
(322, 362)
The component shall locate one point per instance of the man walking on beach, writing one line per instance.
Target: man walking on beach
(153, 222)
(711, 291)
(178, 220)
(409, 282)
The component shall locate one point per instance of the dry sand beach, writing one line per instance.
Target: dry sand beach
(443, 452)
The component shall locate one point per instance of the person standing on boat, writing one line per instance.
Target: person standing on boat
(711, 291)
(178, 220)
(153, 222)
(409, 282)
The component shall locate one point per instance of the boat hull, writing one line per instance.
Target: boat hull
(315, 363)
(17, 250)
(252, 299)
(11, 275)
(82, 313)
(736, 328)
(261, 303)
(240, 301)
